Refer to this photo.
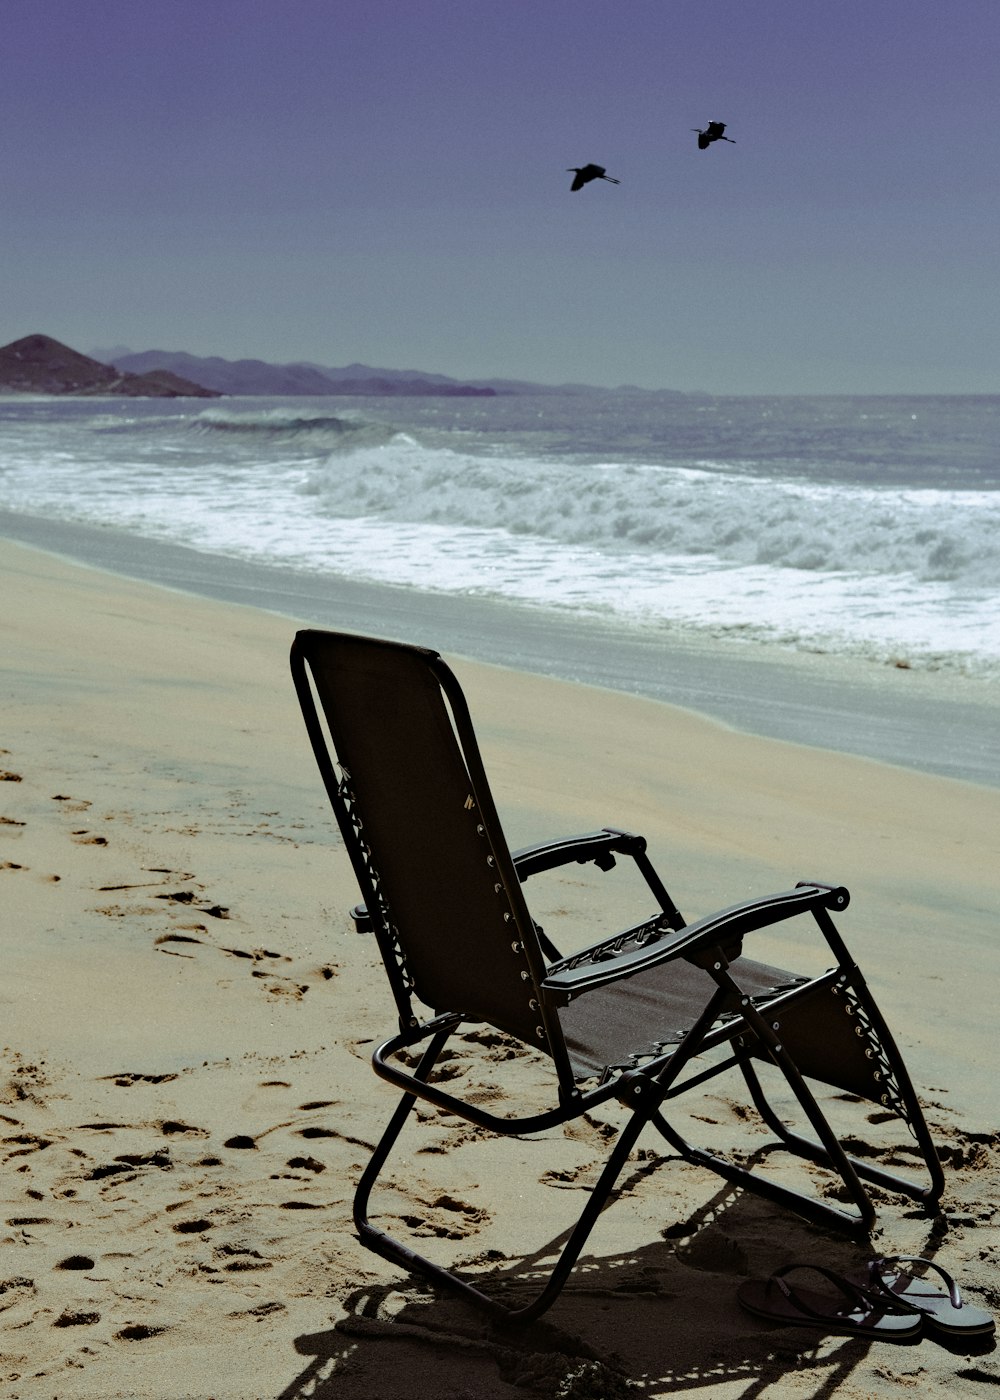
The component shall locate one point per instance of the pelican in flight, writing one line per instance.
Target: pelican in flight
(586, 173)
(712, 132)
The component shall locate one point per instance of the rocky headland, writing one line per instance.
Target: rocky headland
(37, 364)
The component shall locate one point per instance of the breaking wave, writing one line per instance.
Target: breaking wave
(931, 535)
(315, 431)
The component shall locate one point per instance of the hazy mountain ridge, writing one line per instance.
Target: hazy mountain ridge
(250, 376)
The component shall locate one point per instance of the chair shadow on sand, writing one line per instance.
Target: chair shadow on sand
(656, 1320)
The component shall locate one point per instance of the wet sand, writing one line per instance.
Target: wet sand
(934, 722)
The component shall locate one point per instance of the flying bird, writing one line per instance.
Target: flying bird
(586, 173)
(712, 132)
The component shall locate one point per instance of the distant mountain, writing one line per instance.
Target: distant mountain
(497, 386)
(37, 364)
(247, 377)
(259, 377)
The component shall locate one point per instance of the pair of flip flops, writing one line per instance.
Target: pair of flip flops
(884, 1300)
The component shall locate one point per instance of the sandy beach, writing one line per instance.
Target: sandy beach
(185, 1097)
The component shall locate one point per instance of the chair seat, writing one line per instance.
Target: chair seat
(640, 1018)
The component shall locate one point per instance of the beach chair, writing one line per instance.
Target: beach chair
(643, 1016)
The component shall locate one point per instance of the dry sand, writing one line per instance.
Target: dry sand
(185, 1099)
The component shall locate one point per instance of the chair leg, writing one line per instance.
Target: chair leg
(395, 1126)
(398, 1253)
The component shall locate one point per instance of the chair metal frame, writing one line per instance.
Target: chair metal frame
(739, 1025)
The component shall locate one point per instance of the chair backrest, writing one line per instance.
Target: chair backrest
(406, 781)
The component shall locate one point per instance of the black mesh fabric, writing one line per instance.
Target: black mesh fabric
(421, 821)
(649, 1012)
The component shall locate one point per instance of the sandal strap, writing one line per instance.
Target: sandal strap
(877, 1267)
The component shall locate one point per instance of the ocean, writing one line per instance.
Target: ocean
(853, 527)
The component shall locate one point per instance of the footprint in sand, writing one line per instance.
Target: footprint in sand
(262, 1310)
(581, 1178)
(15, 1290)
(73, 1317)
(128, 1077)
(215, 911)
(165, 938)
(713, 1251)
(256, 954)
(139, 1332)
(23, 1144)
(84, 837)
(238, 1259)
(446, 1218)
(169, 1127)
(127, 1165)
(282, 986)
(26, 1082)
(192, 1227)
(184, 939)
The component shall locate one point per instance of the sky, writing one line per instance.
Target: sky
(384, 182)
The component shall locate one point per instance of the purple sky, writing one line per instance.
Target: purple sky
(384, 181)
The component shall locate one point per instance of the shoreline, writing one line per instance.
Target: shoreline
(936, 723)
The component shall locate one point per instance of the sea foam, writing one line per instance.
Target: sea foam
(854, 527)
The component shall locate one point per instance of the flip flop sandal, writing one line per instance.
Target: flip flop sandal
(947, 1312)
(852, 1310)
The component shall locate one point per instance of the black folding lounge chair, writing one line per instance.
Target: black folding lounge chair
(626, 1018)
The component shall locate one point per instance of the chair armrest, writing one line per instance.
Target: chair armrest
(596, 846)
(694, 942)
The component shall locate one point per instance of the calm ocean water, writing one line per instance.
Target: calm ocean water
(853, 526)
